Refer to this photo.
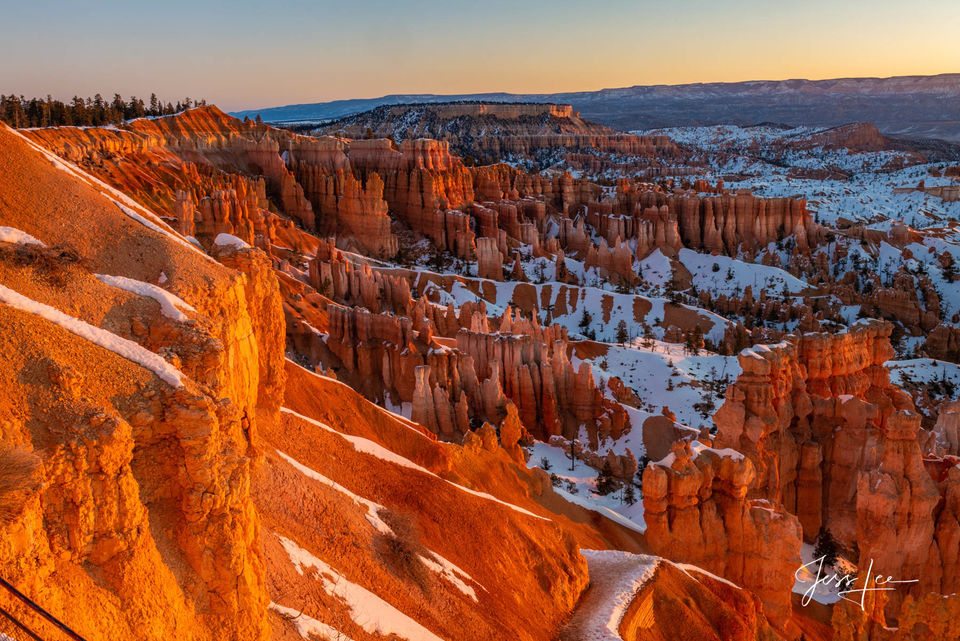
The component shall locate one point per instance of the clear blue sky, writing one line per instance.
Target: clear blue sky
(255, 54)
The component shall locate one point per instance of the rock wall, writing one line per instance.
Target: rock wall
(839, 446)
(141, 523)
(348, 208)
(805, 413)
(697, 511)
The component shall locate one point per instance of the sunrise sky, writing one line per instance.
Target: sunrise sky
(243, 54)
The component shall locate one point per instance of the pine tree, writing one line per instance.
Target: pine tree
(673, 290)
(826, 547)
(622, 335)
(629, 494)
(605, 480)
(641, 466)
(696, 340)
(585, 320)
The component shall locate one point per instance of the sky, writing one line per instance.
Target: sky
(243, 54)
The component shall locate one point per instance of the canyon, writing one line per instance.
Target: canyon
(474, 371)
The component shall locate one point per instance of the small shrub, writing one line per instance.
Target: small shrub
(19, 479)
(51, 264)
(402, 550)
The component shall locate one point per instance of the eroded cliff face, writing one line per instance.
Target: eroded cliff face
(840, 447)
(368, 494)
(149, 482)
(490, 132)
(142, 420)
(697, 511)
(807, 413)
(140, 521)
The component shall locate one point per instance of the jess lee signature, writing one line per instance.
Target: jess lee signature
(846, 583)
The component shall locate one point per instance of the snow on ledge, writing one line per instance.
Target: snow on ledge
(16, 237)
(107, 340)
(308, 627)
(229, 240)
(372, 508)
(366, 446)
(698, 448)
(170, 304)
(449, 571)
(403, 420)
(368, 610)
(120, 199)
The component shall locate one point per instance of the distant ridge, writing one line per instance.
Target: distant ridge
(915, 106)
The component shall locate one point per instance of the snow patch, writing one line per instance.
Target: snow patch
(170, 304)
(101, 337)
(363, 445)
(308, 627)
(375, 449)
(229, 240)
(451, 573)
(17, 237)
(373, 509)
(369, 611)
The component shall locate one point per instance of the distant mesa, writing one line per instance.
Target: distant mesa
(915, 106)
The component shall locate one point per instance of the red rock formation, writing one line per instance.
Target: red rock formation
(551, 397)
(142, 516)
(895, 509)
(489, 259)
(934, 616)
(352, 284)
(697, 511)
(346, 207)
(943, 343)
(783, 410)
(837, 444)
(947, 429)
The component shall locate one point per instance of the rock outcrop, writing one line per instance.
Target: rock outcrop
(805, 412)
(145, 425)
(697, 511)
(838, 446)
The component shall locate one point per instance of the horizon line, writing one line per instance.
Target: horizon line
(584, 91)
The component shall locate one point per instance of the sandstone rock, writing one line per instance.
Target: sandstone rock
(697, 511)
(489, 259)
